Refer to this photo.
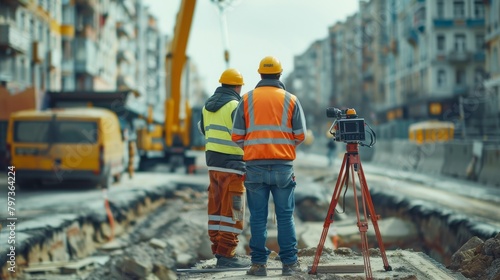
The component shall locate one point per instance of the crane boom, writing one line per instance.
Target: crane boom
(175, 61)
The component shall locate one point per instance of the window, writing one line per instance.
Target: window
(32, 27)
(480, 42)
(440, 9)
(459, 9)
(76, 132)
(460, 77)
(57, 132)
(31, 131)
(441, 43)
(460, 42)
(21, 21)
(22, 70)
(67, 50)
(478, 9)
(441, 78)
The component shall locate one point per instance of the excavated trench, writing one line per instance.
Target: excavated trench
(155, 235)
(436, 231)
(440, 232)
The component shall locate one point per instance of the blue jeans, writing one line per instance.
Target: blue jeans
(279, 180)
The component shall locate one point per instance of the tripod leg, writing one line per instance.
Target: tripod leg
(374, 217)
(362, 224)
(341, 179)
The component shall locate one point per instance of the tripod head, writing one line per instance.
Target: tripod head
(347, 127)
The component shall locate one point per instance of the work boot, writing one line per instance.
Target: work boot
(232, 262)
(290, 269)
(258, 270)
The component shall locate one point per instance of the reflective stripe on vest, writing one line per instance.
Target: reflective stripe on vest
(268, 136)
(218, 130)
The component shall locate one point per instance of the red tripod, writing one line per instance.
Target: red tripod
(350, 164)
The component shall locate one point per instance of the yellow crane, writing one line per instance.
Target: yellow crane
(180, 119)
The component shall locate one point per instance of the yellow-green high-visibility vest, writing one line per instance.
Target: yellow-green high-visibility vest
(218, 126)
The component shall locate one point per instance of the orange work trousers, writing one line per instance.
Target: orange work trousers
(222, 229)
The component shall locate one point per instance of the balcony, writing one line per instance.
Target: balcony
(419, 17)
(479, 56)
(443, 23)
(37, 52)
(447, 23)
(419, 24)
(85, 56)
(13, 38)
(473, 22)
(67, 66)
(411, 36)
(54, 60)
(124, 29)
(458, 56)
(125, 55)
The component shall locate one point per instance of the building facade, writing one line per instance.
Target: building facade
(492, 81)
(435, 64)
(310, 81)
(79, 45)
(30, 52)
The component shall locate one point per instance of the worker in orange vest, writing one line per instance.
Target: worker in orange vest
(226, 168)
(269, 124)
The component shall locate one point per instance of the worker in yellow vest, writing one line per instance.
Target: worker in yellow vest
(226, 168)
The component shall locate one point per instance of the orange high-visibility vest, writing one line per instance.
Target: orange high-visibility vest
(269, 133)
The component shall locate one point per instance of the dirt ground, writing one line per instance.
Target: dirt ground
(179, 228)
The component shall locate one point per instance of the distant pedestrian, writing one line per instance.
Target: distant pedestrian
(226, 192)
(332, 147)
(269, 124)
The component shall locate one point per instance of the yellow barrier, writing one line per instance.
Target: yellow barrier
(431, 131)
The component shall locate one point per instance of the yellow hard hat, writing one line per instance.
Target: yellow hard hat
(270, 65)
(231, 77)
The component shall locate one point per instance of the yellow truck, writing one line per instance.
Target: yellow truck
(62, 145)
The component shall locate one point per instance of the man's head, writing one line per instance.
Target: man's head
(270, 68)
(232, 78)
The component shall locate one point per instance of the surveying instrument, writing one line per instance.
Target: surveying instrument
(350, 129)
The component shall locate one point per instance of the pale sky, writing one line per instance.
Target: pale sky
(256, 28)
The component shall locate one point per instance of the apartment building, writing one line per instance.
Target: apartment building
(436, 64)
(373, 39)
(30, 53)
(346, 43)
(310, 81)
(492, 82)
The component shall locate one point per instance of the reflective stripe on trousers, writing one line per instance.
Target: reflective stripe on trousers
(222, 230)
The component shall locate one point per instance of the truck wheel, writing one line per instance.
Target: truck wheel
(117, 178)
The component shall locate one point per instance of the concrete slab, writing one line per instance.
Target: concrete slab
(405, 265)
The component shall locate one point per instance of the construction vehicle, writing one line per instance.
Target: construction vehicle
(82, 144)
(168, 139)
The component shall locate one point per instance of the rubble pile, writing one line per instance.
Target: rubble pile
(478, 259)
(173, 236)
